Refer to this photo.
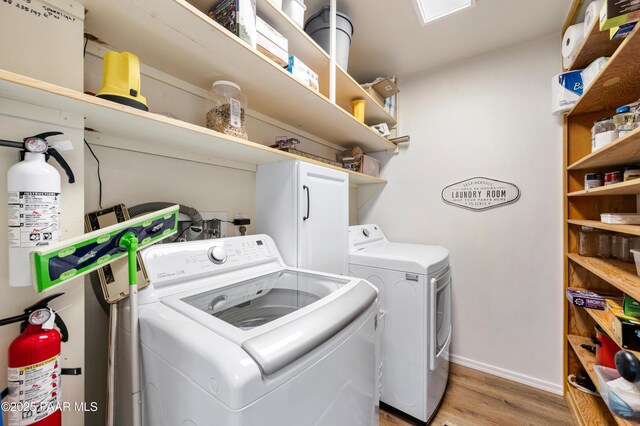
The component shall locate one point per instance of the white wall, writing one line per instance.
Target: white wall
(50, 49)
(490, 117)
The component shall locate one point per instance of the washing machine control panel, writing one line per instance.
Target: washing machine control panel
(169, 263)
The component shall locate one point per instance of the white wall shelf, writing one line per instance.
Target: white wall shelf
(184, 42)
(141, 131)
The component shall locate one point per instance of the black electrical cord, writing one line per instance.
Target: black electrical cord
(99, 177)
(84, 51)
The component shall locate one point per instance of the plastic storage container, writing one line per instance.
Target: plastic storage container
(603, 133)
(294, 9)
(623, 399)
(593, 243)
(620, 218)
(593, 180)
(624, 120)
(226, 109)
(621, 246)
(318, 28)
(631, 172)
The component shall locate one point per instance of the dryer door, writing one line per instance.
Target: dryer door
(440, 318)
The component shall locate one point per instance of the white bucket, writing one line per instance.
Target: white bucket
(319, 29)
(295, 10)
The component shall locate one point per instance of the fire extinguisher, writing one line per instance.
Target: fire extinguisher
(33, 201)
(34, 367)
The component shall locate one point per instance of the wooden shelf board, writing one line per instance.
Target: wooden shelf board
(619, 81)
(625, 229)
(187, 44)
(304, 47)
(587, 410)
(153, 133)
(630, 187)
(621, 275)
(588, 361)
(595, 45)
(625, 150)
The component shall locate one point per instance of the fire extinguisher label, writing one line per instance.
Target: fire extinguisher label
(34, 392)
(34, 219)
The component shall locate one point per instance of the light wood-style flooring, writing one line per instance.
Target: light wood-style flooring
(475, 398)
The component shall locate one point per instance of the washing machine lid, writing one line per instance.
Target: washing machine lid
(414, 258)
(280, 316)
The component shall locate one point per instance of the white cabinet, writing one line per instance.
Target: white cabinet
(305, 209)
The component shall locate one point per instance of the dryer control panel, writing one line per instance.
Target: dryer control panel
(361, 236)
(170, 263)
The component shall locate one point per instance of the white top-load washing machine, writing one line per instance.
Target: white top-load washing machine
(230, 336)
(414, 284)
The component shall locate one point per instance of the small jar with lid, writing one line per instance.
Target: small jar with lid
(631, 173)
(226, 105)
(603, 133)
(625, 121)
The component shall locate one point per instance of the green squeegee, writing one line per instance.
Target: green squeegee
(78, 256)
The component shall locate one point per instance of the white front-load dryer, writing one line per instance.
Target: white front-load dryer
(414, 284)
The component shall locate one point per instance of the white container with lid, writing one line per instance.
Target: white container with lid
(620, 218)
(295, 10)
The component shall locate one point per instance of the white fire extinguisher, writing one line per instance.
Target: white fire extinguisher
(33, 188)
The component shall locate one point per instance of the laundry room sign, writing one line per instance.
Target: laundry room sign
(480, 193)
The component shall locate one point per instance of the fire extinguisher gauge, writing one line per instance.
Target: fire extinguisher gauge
(39, 317)
(37, 145)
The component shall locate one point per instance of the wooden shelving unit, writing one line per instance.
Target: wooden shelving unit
(623, 229)
(596, 44)
(588, 361)
(625, 150)
(152, 133)
(188, 45)
(617, 84)
(631, 187)
(621, 275)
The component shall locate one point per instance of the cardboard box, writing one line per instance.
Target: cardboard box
(626, 329)
(386, 87)
(237, 16)
(622, 31)
(303, 73)
(631, 307)
(375, 95)
(615, 13)
(270, 33)
(272, 51)
(589, 299)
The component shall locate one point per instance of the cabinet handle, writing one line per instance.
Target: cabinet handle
(306, 188)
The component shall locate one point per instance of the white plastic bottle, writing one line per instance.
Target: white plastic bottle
(33, 212)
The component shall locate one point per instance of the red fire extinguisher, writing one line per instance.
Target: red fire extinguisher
(34, 367)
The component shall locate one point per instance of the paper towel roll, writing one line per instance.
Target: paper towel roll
(592, 14)
(572, 40)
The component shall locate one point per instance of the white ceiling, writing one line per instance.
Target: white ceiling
(388, 38)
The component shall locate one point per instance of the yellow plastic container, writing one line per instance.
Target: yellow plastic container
(357, 107)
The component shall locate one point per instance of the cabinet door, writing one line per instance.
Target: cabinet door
(323, 222)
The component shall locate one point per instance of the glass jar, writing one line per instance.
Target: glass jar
(226, 105)
(624, 120)
(604, 245)
(621, 246)
(603, 133)
(588, 242)
(593, 180)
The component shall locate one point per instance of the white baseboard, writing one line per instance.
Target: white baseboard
(506, 374)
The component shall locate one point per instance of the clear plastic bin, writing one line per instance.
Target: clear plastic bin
(625, 404)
